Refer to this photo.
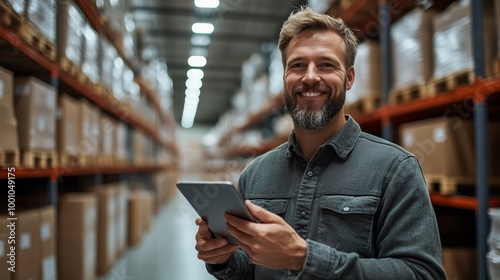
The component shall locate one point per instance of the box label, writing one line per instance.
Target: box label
(25, 241)
(45, 231)
(49, 268)
(2, 250)
(2, 94)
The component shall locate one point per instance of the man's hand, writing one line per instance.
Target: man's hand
(271, 243)
(211, 250)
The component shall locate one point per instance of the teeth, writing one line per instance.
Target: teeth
(311, 94)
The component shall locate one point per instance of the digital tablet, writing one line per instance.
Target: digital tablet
(211, 199)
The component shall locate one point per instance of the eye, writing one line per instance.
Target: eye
(297, 65)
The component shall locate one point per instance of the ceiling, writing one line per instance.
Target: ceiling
(241, 27)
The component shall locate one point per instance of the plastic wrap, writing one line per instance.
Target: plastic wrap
(367, 81)
(452, 41)
(90, 131)
(90, 65)
(108, 56)
(19, 6)
(275, 74)
(412, 49)
(117, 79)
(71, 31)
(42, 14)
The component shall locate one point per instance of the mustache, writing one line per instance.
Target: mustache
(306, 87)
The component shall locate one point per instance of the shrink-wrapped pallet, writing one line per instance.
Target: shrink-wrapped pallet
(90, 64)
(367, 82)
(70, 30)
(42, 14)
(412, 49)
(453, 42)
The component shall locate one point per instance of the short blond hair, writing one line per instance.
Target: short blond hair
(306, 19)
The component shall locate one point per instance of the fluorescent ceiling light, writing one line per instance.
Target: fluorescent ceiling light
(192, 92)
(192, 83)
(211, 4)
(195, 74)
(202, 28)
(197, 61)
(200, 40)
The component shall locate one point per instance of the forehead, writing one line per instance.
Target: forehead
(310, 41)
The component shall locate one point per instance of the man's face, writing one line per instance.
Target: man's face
(315, 78)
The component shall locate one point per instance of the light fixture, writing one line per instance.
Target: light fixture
(200, 40)
(202, 28)
(195, 74)
(210, 4)
(197, 61)
(193, 83)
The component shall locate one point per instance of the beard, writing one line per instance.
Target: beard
(304, 116)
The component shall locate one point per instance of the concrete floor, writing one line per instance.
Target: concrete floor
(167, 251)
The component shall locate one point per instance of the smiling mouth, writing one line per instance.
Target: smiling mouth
(311, 94)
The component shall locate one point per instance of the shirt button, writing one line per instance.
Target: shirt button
(228, 271)
(303, 214)
(310, 173)
(345, 209)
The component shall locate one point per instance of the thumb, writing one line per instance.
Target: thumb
(262, 214)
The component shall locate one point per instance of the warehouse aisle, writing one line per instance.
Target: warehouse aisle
(167, 251)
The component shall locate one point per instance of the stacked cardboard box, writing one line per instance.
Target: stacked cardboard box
(106, 227)
(90, 64)
(4, 249)
(108, 132)
(140, 213)
(460, 263)
(8, 124)
(42, 15)
(77, 233)
(68, 136)
(89, 130)
(70, 27)
(121, 216)
(412, 49)
(48, 270)
(368, 78)
(35, 107)
(452, 40)
(445, 146)
(120, 143)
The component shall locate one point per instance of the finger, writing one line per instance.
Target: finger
(243, 236)
(203, 230)
(217, 253)
(203, 245)
(262, 214)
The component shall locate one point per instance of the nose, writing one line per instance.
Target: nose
(311, 76)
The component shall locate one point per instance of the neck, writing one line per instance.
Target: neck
(309, 141)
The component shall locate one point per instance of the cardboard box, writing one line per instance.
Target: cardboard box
(27, 245)
(70, 44)
(9, 139)
(460, 263)
(67, 125)
(120, 141)
(368, 74)
(412, 45)
(48, 269)
(107, 128)
(89, 129)
(77, 233)
(445, 146)
(136, 214)
(4, 249)
(42, 15)
(6, 95)
(121, 217)
(106, 209)
(35, 103)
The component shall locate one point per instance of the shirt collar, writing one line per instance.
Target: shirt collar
(342, 143)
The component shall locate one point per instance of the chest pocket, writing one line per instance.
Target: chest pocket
(276, 206)
(346, 222)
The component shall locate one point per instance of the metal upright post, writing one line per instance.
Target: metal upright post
(481, 142)
(384, 16)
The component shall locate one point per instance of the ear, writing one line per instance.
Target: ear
(350, 77)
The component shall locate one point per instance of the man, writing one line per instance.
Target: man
(335, 203)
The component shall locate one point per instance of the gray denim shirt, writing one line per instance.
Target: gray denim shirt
(361, 203)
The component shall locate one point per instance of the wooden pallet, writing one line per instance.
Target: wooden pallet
(38, 159)
(33, 37)
(364, 105)
(9, 158)
(450, 82)
(66, 160)
(446, 185)
(408, 93)
(74, 70)
(9, 17)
